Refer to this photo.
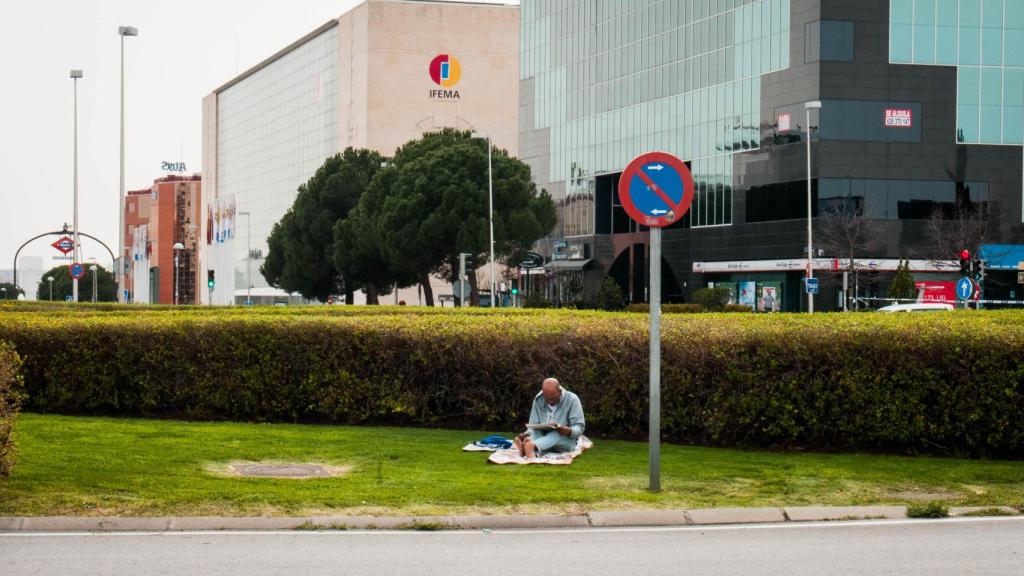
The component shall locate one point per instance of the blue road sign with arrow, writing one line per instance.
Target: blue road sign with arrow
(965, 288)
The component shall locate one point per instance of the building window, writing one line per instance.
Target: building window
(985, 40)
(828, 40)
(779, 201)
(901, 199)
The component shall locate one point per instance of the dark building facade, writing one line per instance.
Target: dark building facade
(918, 137)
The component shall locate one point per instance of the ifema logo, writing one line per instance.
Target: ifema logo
(446, 72)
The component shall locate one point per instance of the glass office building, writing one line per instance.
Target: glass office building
(984, 40)
(906, 94)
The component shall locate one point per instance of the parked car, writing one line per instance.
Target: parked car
(921, 307)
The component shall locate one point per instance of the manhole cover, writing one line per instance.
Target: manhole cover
(298, 471)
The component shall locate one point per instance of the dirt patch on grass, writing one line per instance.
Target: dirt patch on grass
(277, 470)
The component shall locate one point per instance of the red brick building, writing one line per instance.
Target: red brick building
(155, 220)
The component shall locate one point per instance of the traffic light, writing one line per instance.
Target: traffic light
(515, 291)
(965, 263)
(210, 280)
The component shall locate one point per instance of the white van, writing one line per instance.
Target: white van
(922, 307)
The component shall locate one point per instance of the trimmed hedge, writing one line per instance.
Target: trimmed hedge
(10, 404)
(946, 383)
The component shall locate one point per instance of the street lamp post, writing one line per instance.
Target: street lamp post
(248, 257)
(490, 215)
(75, 75)
(178, 247)
(4, 290)
(123, 31)
(93, 270)
(50, 280)
(815, 105)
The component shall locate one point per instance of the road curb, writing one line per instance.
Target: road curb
(638, 518)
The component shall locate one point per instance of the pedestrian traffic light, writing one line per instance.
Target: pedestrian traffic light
(965, 263)
(210, 280)
(515, 291)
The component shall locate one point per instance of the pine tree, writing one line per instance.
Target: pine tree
(903, 287)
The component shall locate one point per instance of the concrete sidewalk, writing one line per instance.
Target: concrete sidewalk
(697, 517)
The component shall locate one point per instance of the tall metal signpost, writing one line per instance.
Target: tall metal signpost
(656, 190)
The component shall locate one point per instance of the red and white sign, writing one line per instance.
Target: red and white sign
(936, 292)
(785, 122)
(65, 245)
(899, 118)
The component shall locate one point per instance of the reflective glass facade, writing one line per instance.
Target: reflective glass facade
(274, 129)
(984, 39)
(616, 78)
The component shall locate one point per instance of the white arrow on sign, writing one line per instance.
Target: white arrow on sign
(659, 212)
(656, 167)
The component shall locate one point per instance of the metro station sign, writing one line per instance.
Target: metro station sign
(65, 245)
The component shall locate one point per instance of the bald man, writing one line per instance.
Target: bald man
(560, 409)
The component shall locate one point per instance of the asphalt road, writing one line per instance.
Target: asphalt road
(960, 547)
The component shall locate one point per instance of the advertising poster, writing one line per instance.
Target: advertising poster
(939, 292)
(771, 297)
(747, 294)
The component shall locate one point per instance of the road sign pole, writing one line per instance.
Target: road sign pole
(656, 190)
(654, 431)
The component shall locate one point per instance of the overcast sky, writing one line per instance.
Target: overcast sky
(184, 50)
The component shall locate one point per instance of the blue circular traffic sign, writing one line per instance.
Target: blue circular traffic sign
(965, 288)
(656, 189)
(76, 270)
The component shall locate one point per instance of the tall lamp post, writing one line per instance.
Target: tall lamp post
(248, 257)
(50, 280)
(93, 270)
(815, 105)
(123, 31)
(75, 75)
(178, 247)
(490, 214)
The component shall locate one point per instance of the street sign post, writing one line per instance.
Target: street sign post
(531, 260)
(656, 190)
(76, 270)
(965, 288)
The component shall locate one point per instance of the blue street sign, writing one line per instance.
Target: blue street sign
(965, 288)
(656, 189)
(76, 270)
(811, 285)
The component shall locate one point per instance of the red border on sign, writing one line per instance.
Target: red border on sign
(635, 169)
(72, 274)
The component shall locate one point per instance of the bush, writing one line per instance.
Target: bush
(739, 308)
(536, 301)
(10, 404)
(610, 296)
(667, 308)
(712, 299)
(950, 383)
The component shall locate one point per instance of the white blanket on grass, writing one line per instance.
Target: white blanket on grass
(511, 456)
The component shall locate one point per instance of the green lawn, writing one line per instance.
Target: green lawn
(103, 466)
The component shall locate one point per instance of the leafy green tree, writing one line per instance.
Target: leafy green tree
(358, 248)
(903, 287)
(437, 206)
(610, 296)
(106, 287)
(301, 245)
(9, 292)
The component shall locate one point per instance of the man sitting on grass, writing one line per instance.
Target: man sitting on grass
(556, 421)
